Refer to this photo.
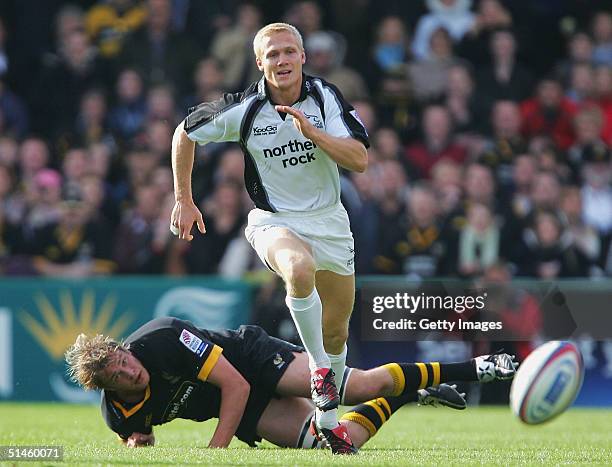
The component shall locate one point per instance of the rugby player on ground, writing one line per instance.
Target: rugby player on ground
(256, 385)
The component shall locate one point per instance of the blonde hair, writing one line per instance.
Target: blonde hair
(273, 28)
(88, 356)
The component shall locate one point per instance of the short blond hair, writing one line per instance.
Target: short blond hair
(273, 28)
(88, 356)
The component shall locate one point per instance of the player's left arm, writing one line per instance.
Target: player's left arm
(235, 392)
(347, 152)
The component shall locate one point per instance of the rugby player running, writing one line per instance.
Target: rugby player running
(294, 130)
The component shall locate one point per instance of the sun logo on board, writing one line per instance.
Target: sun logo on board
(57, 330)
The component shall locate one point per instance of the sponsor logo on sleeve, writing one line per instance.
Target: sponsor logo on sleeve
(193, 342)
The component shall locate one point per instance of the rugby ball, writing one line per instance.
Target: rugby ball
(547, 382)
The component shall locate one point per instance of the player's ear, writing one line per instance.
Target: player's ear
(259, 63)
(303, 57)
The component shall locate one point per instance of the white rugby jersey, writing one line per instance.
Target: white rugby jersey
(284, 171)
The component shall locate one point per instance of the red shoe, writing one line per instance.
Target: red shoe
(323, 389)
(338, 440)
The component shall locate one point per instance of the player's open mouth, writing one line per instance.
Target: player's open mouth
(139, 378)
(284, 73)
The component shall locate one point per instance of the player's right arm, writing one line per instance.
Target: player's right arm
(138, 440)
(217, 121)
(185, 212)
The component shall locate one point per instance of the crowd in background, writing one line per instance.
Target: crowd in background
(490, 128)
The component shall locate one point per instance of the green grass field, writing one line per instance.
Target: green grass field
(415, 435)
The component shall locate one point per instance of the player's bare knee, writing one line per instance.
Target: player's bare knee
(299, 272)
(334, 340)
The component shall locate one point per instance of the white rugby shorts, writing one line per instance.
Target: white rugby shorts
(327, 231)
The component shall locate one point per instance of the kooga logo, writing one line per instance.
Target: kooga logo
(262, 131)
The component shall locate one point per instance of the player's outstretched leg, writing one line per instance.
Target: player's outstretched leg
(363, 421)
(408, 377)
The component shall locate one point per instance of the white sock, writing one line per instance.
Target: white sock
(307, 313)
(328, 419)
(338, 364)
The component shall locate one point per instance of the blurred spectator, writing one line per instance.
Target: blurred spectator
(69, 19)
(579, 50)
(387, 144)
(233, 49)
(159, 54)
(506, 141)
(161, 104)
(437, 143)
(581, 87)
(603, 98)
(8, 151)
(76, 70)
(159, 140)
(549, 251)
(602, 34)
(225, 221)
(390, 188)
(140, 165)
(478, 187)
(325, 53)
(14, 112)
(44, 205)
(33, 156)
(92, 125)
(128, 114)
(505, 78)
(74, 167)
(366, 231)
(549, 113)
(546, 192)
(109, 22)
(453, 16)
(429, 75)
(491, 15)
(94, 194)
(588, 125)
(518, 198)
(414, 246)
(460, 98)
(208, 82)
(205, 19)
(446, 179)
(479, 241)
(596, 189)
(74, 246)
(387, 74)
(583, 236)
(138, 248)
(306, 16)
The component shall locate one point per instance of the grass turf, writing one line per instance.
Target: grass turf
(415, 435)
